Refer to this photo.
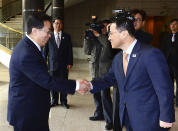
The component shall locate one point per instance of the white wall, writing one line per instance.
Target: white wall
(4, 58)
(77, 54)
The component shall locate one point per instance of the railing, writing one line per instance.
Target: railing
(9, 37)
(10, 10)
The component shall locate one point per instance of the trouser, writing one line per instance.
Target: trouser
(107, 105)
(61, 74)
(116, 118)
(127, 124)
(30, 129)
(174, 76)
(98, 104)
(126, 121)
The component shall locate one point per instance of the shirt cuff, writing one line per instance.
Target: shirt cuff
(91, 86)
(77, 85)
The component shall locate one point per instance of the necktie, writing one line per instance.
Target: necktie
(173, 37)
(125, 62)
(58, 40)
(42, 53)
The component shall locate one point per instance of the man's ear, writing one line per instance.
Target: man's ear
(124, 33)
(143, 23)
(34, 30)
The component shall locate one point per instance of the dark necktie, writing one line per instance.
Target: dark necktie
(42, 53)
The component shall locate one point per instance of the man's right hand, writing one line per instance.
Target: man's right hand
(84, 86)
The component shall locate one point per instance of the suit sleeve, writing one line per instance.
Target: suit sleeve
(35, 69)
(104, 82)
(158, 71)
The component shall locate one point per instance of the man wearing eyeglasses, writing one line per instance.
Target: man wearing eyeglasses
(60, 58)
(140, 20)
(30, 82)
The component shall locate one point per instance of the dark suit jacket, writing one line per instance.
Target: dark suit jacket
(143, 37)
(59, 57)
(146, 91)
(170, 49)
(30, 85)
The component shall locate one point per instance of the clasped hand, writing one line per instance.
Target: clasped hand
(84, 86)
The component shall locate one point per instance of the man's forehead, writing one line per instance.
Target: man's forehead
(113, 26)
(174, 22)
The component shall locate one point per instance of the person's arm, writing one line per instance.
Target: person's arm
(157, 68)
(70, 54)
(35, 69)
(105, 81)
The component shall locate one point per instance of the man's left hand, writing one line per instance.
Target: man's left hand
(165, 124)
(69, 67)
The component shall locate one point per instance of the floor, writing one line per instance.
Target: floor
(60, 119)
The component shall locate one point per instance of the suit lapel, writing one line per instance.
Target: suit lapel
(54, 41)
(133, 60)
(62, 38)
(120, 63)
(34, 48)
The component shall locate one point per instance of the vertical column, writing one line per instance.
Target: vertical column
(30, 6)
(57, 8)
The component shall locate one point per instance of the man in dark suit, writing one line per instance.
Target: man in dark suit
(142, 75)
(60, 59)
(143, 37)
(139, 23)
(169, 46)
(30, 83)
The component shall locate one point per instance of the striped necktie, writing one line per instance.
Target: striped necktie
(58, 40)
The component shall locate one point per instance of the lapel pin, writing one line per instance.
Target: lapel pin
(134, 55)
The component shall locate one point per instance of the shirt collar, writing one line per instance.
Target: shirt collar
(129, 50)
(60, 33)
(37, 45)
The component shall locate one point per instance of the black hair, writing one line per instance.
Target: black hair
(36, 20)
(57, 18)
(175, 19)
(106, 21)
(123, 24)
(141, 12)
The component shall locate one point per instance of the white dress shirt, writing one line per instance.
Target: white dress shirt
(129, 50)
(37, 45)
(56, 35)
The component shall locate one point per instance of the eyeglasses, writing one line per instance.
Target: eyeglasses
(57, 23)
(138, 20)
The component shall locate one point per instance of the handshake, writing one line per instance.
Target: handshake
(84, 86)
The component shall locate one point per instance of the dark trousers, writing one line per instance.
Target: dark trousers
(126, 121)
(98, 104)
(107, 105)
(174, 76)
(116, 118)
(103, 103)
(127, 124)
(59, 74)
(31, 127)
